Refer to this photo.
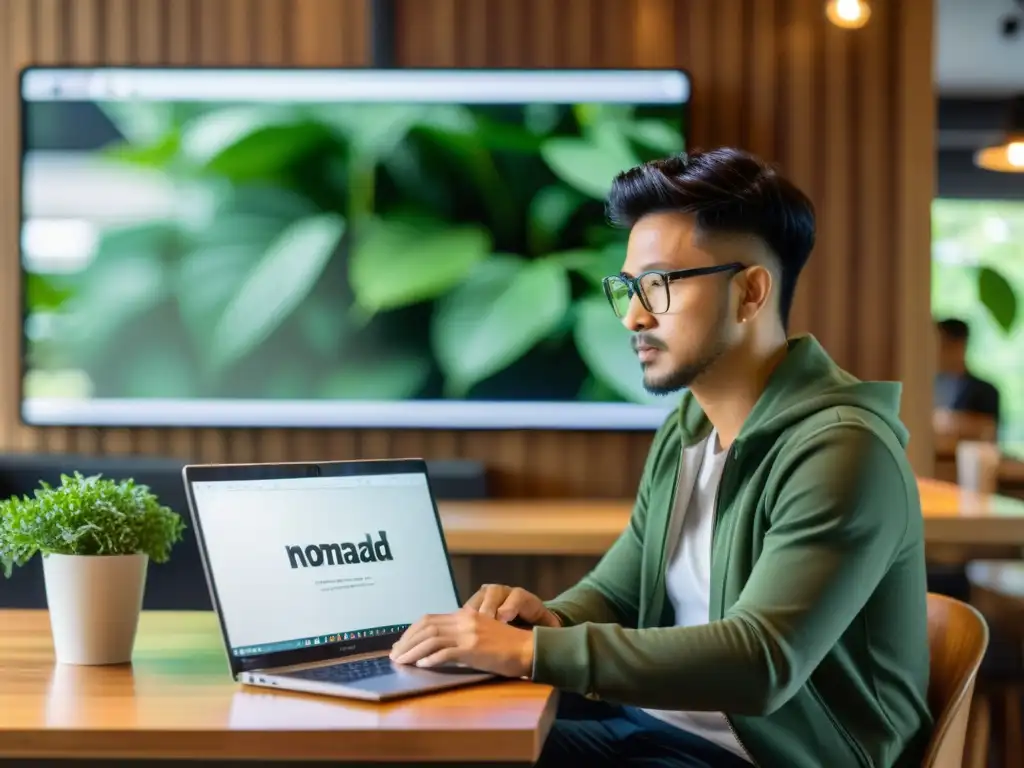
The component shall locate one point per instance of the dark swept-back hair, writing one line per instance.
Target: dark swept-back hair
(728, 191)
(954, 328)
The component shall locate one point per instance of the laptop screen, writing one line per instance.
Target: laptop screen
(316, 561)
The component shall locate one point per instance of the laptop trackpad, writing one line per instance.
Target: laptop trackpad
(406, 674)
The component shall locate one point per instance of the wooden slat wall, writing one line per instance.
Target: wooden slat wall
(848, 114)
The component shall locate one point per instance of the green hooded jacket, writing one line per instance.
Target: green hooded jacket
(817, 643)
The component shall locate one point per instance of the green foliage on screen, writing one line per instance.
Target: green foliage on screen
(357, 251)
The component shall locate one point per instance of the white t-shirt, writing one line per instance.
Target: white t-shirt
(688, 576)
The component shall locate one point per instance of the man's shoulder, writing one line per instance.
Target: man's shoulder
(847, 466)
(853, 438)
(846, 419)
(976, 395)
(985, 388)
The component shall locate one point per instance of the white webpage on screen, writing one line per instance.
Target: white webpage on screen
(313, 556)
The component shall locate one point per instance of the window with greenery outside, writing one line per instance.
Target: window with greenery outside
(978, 275)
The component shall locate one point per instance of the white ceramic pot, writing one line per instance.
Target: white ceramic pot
(94, 604)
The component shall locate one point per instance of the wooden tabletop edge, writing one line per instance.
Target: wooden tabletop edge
(368, 745)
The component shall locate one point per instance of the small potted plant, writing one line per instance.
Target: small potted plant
(96, 537)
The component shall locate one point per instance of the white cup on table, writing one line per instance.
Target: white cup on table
(977, 466)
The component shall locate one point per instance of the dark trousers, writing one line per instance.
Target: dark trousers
(597, 734)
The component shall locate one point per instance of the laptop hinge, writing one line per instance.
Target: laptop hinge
(324, 662)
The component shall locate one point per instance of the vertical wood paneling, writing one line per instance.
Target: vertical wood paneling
(762, 78)
(834, 205)
(848, 114)
(802, 29)
(914, 347)
(728, 103)
(272, 39)
(12, 19)
(653, 37)
(577, 34)
(545, 46)
(873, 237)
(696, 54)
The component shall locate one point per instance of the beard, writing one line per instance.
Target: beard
(685, 374)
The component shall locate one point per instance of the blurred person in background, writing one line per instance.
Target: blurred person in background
(966, 407)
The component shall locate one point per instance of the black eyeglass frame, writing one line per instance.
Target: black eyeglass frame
(633, 287)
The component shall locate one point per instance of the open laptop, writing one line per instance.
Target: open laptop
(316, 569)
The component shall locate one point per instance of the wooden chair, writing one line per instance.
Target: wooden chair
(957, 639)
(997, 591)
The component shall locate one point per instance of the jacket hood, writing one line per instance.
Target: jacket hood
(805, 382)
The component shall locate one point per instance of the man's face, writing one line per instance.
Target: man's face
(674, 348)
(951, 354)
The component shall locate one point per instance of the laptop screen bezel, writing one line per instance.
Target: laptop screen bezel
(205, 473)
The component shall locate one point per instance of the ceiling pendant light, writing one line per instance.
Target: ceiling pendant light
(848, 14)
(1008, 155)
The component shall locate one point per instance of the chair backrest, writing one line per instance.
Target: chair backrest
(957, 639)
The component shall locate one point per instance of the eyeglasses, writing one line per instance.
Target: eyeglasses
(653, 287)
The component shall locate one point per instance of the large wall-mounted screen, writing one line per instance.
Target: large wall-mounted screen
(332, 248)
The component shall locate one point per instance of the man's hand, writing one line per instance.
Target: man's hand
(509, 603)
(466, 637)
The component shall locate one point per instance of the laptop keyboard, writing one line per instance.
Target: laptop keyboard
(347, 672)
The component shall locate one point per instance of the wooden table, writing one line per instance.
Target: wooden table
(177, 700)
(953, 515)
(588, 527)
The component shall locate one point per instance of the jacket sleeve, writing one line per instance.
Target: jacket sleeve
(838, 516)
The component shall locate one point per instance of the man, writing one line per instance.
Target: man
(966, 407)
(766, 604)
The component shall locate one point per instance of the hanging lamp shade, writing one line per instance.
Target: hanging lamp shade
(1008, 155)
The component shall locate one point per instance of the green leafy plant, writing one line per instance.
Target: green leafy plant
(998, 297)
(87, 516)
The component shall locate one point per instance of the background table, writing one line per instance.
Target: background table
(578, 527)
(177, 700)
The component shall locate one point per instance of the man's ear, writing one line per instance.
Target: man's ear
(756, 285)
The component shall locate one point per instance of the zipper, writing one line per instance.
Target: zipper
(659, 581)
(714, 532)
(717, 504)
(844, 734)
(750, 757)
